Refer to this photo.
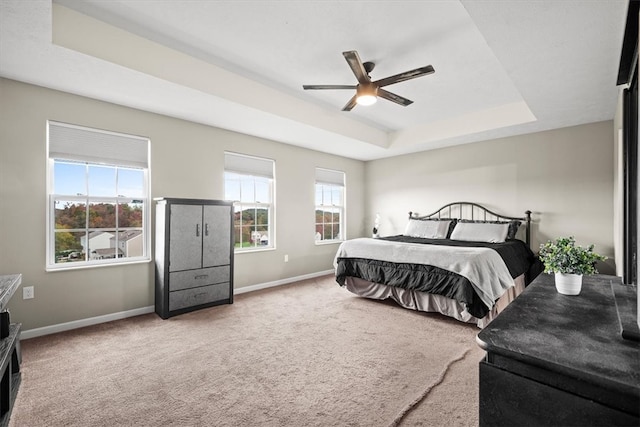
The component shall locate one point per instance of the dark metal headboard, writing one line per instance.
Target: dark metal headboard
(469, 210)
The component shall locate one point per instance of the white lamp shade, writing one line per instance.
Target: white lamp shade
(366, 100)
(366, 94)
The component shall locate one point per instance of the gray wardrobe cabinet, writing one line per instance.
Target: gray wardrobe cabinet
(194, 255)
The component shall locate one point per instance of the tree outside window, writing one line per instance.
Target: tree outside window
(252, 196)
(98, 197)
(92, 220)
(329, 211)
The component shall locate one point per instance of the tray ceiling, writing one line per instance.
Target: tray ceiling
(502, 67)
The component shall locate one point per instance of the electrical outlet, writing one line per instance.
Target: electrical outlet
(286, 258)
(27, 292)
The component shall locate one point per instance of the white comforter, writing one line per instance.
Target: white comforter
(483, 267)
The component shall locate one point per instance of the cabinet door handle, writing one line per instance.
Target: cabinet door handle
(197, 230)
(206, 229)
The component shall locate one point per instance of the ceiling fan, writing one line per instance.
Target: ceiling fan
(366, 90)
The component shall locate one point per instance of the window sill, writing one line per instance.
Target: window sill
(253, 251)
(328, 242)
(60, 267)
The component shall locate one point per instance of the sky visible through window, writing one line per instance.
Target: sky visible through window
(101, 181)
(246, 188)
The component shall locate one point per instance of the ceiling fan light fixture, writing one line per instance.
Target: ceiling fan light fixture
(366, 100)
(366, 94)
(367, 91)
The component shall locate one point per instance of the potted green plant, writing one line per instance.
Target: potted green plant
(568, 262)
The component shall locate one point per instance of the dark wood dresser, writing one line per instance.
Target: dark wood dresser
(558, 360)
(10, 357)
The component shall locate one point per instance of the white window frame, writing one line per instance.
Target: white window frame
(67, 143)
(253, 169)
(328, 179)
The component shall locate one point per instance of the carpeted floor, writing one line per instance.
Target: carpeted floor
(305, 354)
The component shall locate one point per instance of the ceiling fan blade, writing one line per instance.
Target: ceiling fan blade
(315, 87)
(350, 104)
(394, 98)
(407, 75)
(353, 59)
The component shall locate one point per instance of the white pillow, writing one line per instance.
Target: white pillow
(428, 229)
(480, 232)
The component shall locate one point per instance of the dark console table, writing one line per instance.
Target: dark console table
(9, 349)
(560, 360)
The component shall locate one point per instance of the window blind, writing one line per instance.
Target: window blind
(77, 143)
(328, 176)
(248, 165)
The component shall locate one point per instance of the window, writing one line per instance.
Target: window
(330, 206)
(98, 209)
(248, 181)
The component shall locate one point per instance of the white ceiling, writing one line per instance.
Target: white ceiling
(503, 67)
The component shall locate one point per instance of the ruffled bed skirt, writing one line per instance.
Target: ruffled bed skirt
(422, 301)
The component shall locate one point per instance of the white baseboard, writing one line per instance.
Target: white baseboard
(280, 282)
(67, 326)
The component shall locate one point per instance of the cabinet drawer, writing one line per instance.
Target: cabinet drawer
(197, 296)
(194, 278)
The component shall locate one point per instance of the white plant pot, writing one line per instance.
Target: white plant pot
(568, 284)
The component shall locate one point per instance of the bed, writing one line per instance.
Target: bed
(463, 260)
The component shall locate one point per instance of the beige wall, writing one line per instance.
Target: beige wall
(564, 176)
(186, 161)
